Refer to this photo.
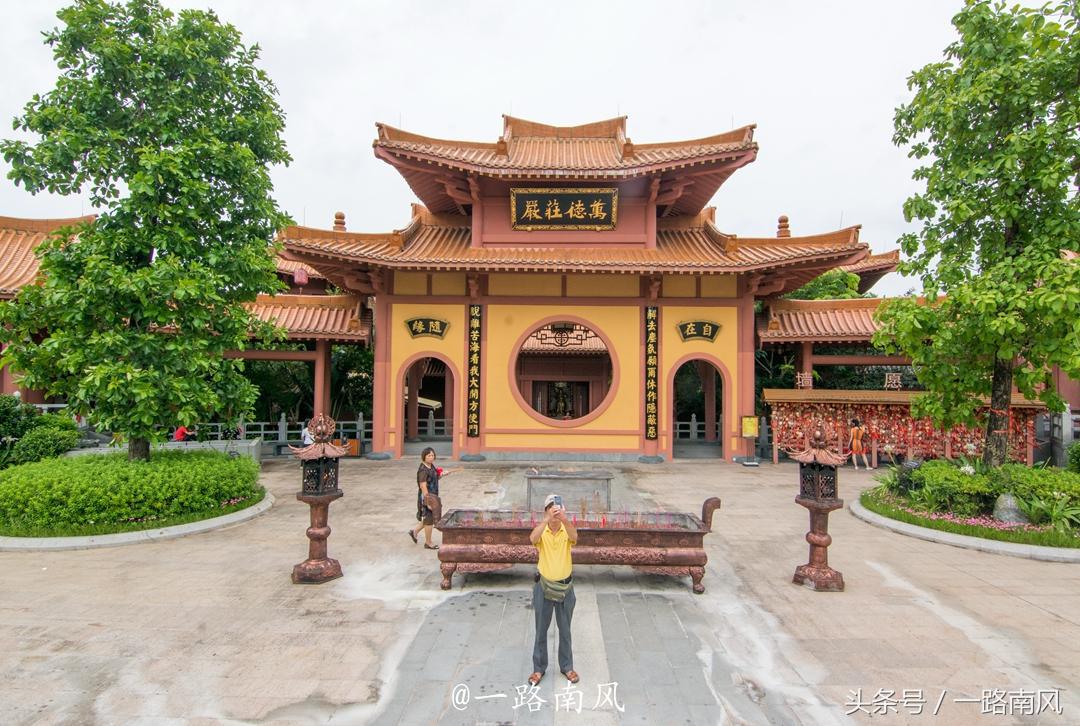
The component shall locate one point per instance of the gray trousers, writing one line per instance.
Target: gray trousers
(564, 612)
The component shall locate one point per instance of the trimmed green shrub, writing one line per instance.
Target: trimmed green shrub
(109, 489)
(15, 417)
(1027, 482)
(940, 486)
(55, 421)
(43, 442)
(1073, 463)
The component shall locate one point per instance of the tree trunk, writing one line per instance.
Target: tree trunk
(138, 449)
(997, 424)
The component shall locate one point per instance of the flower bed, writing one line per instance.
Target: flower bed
(960, 497)
(103, 494)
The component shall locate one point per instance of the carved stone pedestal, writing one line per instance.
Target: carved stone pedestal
(317, 567)
(816, 574)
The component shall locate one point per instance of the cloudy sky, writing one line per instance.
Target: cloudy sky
(820, 80)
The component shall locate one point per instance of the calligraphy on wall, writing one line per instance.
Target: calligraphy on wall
(472, 421)
(699, 330)
(565, 208)
(652, 366)
(427, 327)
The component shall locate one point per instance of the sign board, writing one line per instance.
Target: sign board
(427, 327)
(564, 208)
(749, 427)
(699, 330)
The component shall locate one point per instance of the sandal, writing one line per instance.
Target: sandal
(572, 676)
(534, 679)
(431, 547)
(413, 535)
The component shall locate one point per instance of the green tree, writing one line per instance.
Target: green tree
(167, 122)
(831, 285)
(995, 127)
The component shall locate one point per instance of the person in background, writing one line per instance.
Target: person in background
(181, 434)
(427, 482)
(855, 440)
(554, 588)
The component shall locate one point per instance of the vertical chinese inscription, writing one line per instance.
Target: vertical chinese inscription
(472, 427)
(652, 362)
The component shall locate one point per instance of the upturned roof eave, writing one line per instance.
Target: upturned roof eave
(440, 163)
(377, 260)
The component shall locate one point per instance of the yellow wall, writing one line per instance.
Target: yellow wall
(448, 283)
(410, 283)
(532, 441)
(404, 346)
(603, 286)
(724, 348)
(719, 286)
(679, 286)
(506, 323)
(532, 284)
(622, 325)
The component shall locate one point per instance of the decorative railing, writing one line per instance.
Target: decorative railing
(693, 430)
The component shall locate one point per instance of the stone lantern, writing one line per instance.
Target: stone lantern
(319, 487)
(818, 493)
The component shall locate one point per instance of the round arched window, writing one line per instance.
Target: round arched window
(563, 371)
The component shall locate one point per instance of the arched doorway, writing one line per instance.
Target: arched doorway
(428, 404)
(697, 415)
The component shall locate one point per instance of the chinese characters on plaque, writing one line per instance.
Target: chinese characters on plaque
(430, 327)
(893, 382)
(472, 426)
(652, 363)
(699, 330)
(566, 208)
(804, 380)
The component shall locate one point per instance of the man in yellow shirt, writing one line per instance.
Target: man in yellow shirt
(554, 589)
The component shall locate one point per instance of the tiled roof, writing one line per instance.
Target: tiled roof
(528, 148)
(436, 169)
(818, 320)
(20, 237)
(888, 260)
(312, 317)
(288, 267)
(824, 395)
(18, 240)
(872, 268)
(430, 243)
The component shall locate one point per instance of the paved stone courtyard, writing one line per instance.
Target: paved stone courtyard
(209, 629)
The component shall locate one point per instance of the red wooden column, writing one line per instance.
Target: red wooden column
(381, 401)
(707, 374)
(322, 377)
(414, 378)
(806, 357)
(448, 400)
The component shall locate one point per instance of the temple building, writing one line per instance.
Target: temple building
(562, 277)
(565, 292)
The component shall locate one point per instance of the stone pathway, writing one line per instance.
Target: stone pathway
(209, 629)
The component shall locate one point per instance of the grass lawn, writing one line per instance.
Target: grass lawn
(889, 506)
(86, 530)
